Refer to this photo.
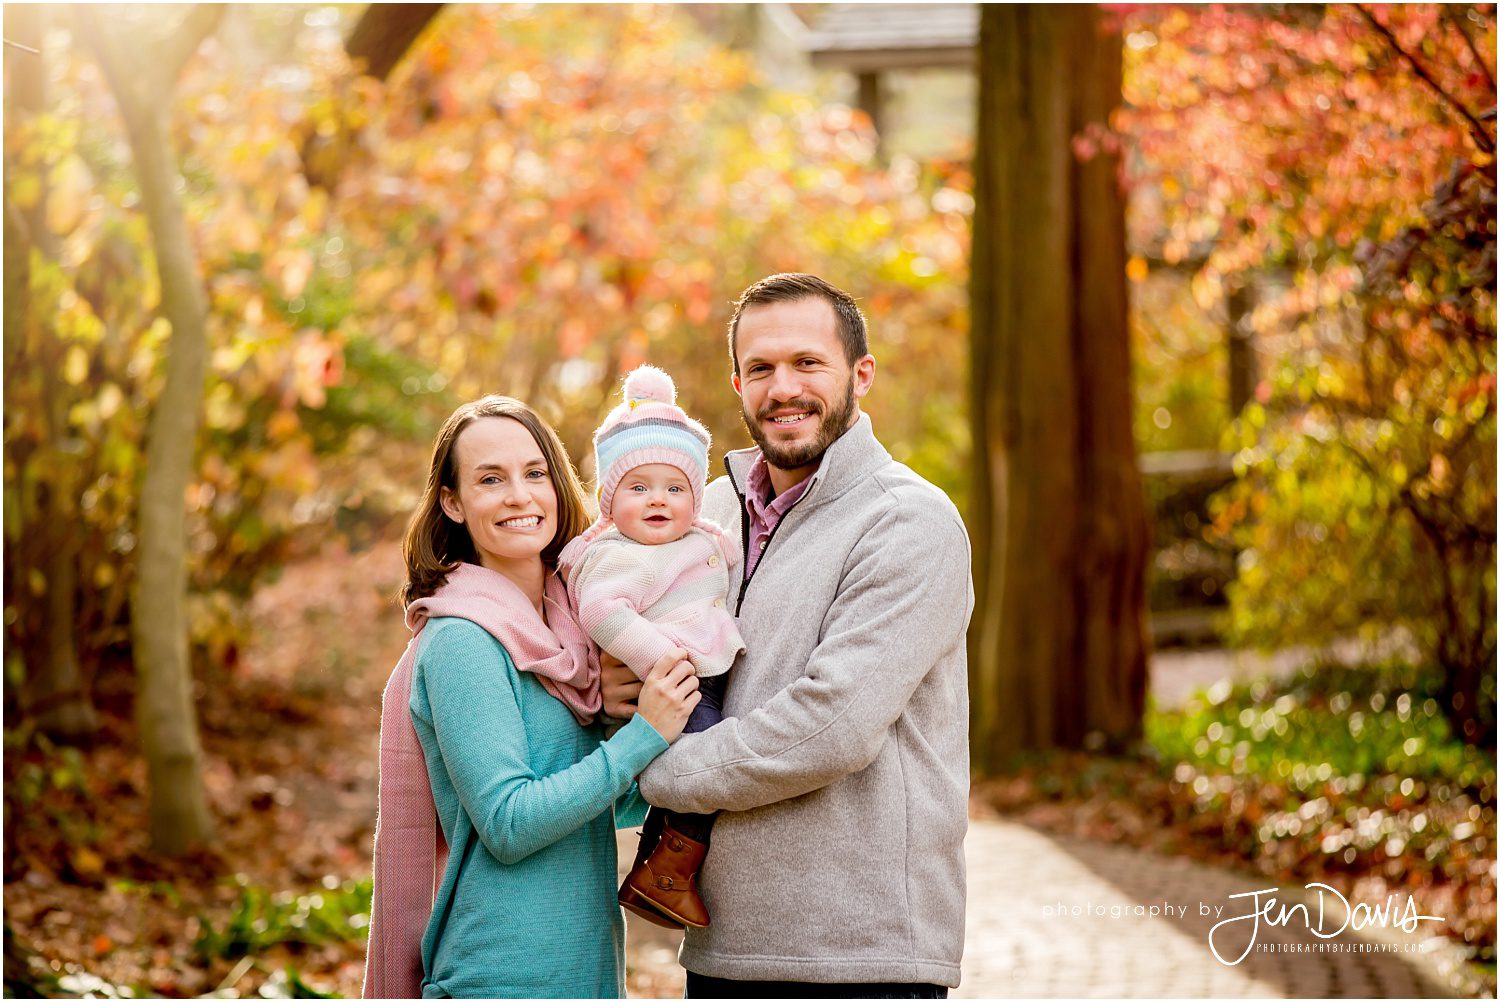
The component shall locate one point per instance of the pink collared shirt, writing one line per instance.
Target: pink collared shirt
(765, 515)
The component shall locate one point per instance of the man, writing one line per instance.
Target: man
(837, 867)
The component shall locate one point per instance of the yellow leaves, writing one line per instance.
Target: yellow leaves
(282, 426)
(75, 366)
(1175, 249)
(221, 410)
(1136, 268)
(239, 228)
(1207, 289)
(26, 190)
(68, 201)
(1440, 472)
(313, 213)
(76, 321)
(87, 862)
(498, 157)
(150, 345)
(109, 400)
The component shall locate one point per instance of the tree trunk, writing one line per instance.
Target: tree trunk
(164, 700)
(1057, 649)
(56, 699)
(384, 32)
(1241, 346)
(164, 696)
(378, 41)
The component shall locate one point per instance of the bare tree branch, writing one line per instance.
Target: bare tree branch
(1481, 134)
(383, 36)
(385, 32)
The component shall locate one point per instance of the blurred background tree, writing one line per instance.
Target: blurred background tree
(1058, 639)
(142, 66)
(1339, 164)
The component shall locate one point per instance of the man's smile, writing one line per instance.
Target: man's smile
(789, 418)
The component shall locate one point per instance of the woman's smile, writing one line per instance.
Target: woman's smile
(505, 497)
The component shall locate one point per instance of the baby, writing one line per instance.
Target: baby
(649, 576)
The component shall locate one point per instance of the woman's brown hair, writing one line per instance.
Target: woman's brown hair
(435, 544)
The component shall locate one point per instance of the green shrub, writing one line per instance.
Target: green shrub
(262, 919)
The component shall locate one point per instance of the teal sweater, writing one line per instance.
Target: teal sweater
(528, 801)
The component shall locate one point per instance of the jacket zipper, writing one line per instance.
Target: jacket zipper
(745, 533)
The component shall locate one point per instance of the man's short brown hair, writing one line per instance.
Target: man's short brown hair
(792, 287)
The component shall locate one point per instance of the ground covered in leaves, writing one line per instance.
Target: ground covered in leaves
(277, 907)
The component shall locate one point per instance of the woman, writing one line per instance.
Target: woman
(489, 720)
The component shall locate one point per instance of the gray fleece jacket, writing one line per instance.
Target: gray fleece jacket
(843, 766)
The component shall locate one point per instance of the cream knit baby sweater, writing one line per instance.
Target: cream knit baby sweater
(638, 601)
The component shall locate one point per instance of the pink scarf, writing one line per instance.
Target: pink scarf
(410, 854)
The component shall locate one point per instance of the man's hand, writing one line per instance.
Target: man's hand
(619, 686)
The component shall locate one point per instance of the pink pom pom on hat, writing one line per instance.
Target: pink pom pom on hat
(648, 427)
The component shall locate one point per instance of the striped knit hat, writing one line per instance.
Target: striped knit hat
(649, 428)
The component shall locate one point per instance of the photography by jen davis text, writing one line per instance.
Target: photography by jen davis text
(1323, 913)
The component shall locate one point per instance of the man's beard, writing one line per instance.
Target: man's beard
(830, 427)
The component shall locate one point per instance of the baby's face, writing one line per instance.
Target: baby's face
(654, 504)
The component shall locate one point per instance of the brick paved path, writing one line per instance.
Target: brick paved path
(1025, 940)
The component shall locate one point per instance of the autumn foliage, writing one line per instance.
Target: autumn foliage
(1340, 162)
(538, 198)
(535, 203)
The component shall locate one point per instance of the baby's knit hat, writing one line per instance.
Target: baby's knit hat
(649, 428)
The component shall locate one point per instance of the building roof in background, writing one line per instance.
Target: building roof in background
(867, 37)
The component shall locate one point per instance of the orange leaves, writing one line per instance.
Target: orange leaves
(1306, 146)
(290, 269)
(572, 336)
(317, 364)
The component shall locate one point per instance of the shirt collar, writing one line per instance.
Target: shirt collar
(758, 489)
(853, 456)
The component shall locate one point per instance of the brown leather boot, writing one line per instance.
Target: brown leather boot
(667, 879)
(632, 899)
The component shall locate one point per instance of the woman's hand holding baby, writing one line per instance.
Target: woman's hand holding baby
(669, 694)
